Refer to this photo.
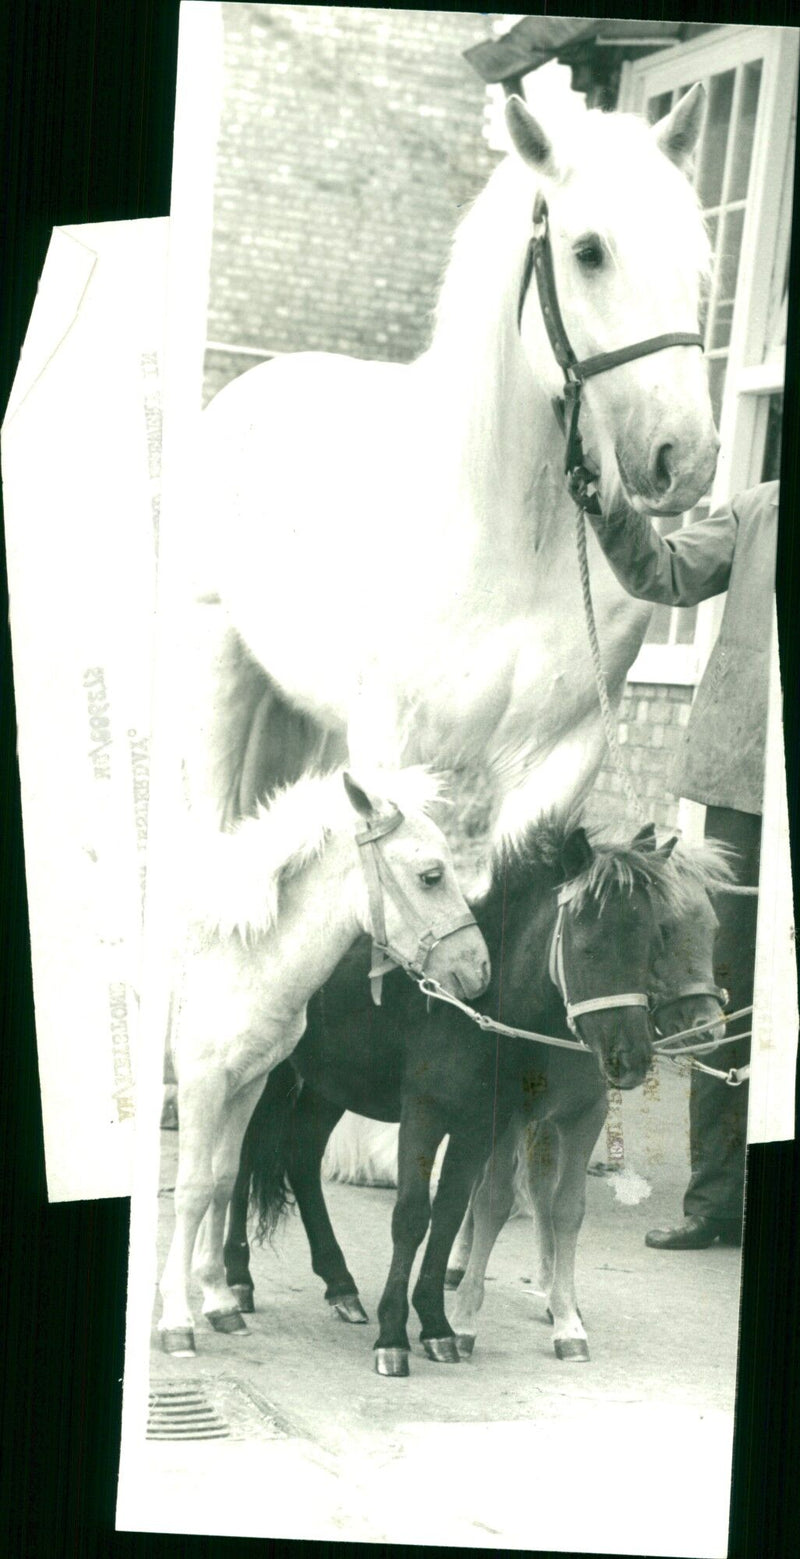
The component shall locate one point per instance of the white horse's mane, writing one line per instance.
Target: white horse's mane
(232, 881)
(476, 346)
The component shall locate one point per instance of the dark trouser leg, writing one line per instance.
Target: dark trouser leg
(718, 1113)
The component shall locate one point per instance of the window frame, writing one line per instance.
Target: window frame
(749, 378)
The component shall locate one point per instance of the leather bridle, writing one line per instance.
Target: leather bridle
(380, 882)
(539, 262)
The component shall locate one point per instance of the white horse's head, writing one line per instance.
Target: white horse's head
(630, 255)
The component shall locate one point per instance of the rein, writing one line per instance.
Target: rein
(380, 882)
(663, 1046)
(557, 974)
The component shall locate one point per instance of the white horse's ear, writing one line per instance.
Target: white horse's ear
(528, 137)
(677, 133)
(665, 850)
(358, 798)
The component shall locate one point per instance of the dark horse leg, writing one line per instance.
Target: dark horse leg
(314, 1120)
(420, 1135)
(466, 1154)
(236, 1251)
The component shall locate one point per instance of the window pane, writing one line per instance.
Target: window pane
(716, 385)
(720, 97)
(657, 107)
(687, 622)
(658, 632)
(728, 270)
(712, 224)
(745, 129)
(680, 619)
(771, 469)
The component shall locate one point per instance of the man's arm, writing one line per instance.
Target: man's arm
(678, 570)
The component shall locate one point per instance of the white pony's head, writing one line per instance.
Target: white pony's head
(630, 255)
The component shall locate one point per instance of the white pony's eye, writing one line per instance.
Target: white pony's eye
(431, 876)
(589, 253)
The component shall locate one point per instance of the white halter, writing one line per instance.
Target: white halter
(558, 974)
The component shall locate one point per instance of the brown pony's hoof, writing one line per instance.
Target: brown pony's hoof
(465, 1345)
(572, 1350)
(179, 1341)
(243, 1294)
(453, 1277)
(442, 1350)
(227, 1321)
(349, 1308)
(391, 1361)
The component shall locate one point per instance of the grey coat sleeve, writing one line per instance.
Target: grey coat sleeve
(678, 570)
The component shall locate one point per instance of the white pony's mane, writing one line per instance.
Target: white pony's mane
(232, 881)
(476, 346)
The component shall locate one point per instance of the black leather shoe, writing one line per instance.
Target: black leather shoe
(696, 1234)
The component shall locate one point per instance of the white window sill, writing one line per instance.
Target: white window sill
(671, 663)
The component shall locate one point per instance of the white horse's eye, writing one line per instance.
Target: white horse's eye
(433, 875)
(589, 254)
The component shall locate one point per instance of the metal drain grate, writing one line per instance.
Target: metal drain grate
(180, 1410)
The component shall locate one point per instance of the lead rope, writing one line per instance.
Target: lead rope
(609, 726)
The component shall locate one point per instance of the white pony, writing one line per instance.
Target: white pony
(269, 911)
(386, 553)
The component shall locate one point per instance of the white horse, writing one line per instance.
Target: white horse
(386, 553)
(269, 911)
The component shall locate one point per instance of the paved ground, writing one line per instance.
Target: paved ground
(628, 1453)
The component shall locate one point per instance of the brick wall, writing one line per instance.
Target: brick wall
(349, 140)
(653, 718)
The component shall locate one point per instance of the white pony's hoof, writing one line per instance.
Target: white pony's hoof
(178, 1341)
(226, 1321)
(572, 1350)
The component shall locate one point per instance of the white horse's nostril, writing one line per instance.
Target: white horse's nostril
(662, 469)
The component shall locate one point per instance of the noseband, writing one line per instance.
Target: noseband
(558, 974)
(380, 881)
(539, 262)
(716, 992)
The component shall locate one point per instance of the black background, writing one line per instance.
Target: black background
(87, 92)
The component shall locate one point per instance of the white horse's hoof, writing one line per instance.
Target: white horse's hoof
(572, 1350)
(465, 1345)
(227, 1321)
(178, 1341)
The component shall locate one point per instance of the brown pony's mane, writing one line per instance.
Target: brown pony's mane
(671, 881)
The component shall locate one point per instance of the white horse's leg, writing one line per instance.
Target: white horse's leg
(541, 1160)
(200, 1104)
(462, 1245)
(576, 1139)
(219, 1303)
(493, 1199)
